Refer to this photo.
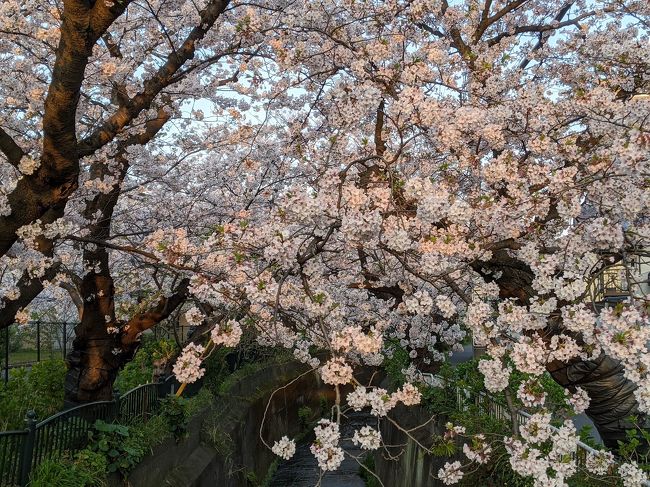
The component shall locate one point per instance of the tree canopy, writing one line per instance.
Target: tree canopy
(340, 176)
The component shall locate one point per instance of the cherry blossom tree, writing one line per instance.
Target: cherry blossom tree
(95, 83)
(383, 174)
(476, 167)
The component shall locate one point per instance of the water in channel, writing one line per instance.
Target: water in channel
(302, 470)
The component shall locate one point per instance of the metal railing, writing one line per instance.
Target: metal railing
(11, 445)
(22, 451)
(141, 403)
(25, 345)
(491, 407)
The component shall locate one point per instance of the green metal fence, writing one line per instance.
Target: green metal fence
(24, 345)
(23, 450)
(11, 445)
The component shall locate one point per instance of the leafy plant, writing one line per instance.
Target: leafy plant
(53, 473)
(141, 369)
(216, 369)
(398, 361)
(147, 435)
(91, 466)
(39, 388)
(635, 446)
(114, 442)
(367, 466)
(196, 403)
(14, 339)
(86, 469)
(305, 414)
(174, 411)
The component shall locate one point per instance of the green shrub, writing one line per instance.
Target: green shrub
(202, 400)
(145, 436)
(174, 410)
(398, 361)
(91, 466)
(14, 339)
(367, 466)
(216, 369)
(39, 388)
(56, 473)
(140, 370)
(305, 415)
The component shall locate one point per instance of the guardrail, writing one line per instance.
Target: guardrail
(22, 451)
(493, 408)
(488, 405)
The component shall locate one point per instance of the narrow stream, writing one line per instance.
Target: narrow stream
(302, 470)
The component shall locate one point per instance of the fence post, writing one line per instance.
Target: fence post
(6, 350)
(38, 341)
(65, 340)
(28, 448)
(117, 401)
(161, 389)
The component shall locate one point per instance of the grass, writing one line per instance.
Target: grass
(25, 356)
(202, 400)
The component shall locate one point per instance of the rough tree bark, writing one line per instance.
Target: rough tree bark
(48, 189)
(97, 354)
(611, 394)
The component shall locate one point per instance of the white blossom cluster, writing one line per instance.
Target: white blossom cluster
(579, 400)
(326, 447)
(531, 394)
(600, 462)
(187, 368)
(336, 372)
(227, 334)
(367, 437)
(284, 448)
(495, 373)
(380, 400)
(479, 452)
(451, 473)
(193, 316)
(352, 338)
(632, 475)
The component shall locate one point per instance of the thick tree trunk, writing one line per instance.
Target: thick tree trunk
(102, 346)
(611, 394)
(92, 363)
(97, 355)
(93, 367)
(49, 188)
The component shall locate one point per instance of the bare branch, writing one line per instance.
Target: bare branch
(10, 149)
(154, 85)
